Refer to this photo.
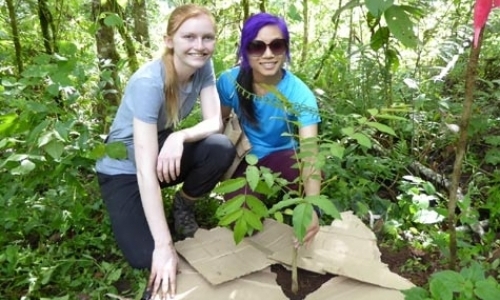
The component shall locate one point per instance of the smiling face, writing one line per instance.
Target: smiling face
(267, 68)
(193, 43)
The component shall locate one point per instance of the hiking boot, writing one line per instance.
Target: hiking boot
(184, 219)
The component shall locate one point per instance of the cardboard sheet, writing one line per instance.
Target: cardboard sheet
(214, 254)
(347, 248)
(343, 288)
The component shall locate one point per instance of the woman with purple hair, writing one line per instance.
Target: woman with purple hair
(273, 105)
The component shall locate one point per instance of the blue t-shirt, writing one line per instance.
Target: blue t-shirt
(276, 117)
(144, 99)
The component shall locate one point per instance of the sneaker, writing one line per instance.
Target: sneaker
(184, 218)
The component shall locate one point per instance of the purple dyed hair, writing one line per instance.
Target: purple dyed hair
(250, 30)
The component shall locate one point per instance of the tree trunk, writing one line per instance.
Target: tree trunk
(107, 54)
(141, 32)
(15, 36)
(246, 9)
(129, 42)
(47, 26)
(470, 83)
(262, 5)
(305, 37)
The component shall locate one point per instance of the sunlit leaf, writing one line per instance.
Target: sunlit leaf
(230, 206)
(337, 150)
(325, 204)
(252, 175)
(113, 20)
(382, 128)
(487, 289)
(231, 217)
(401, 26)
(362, 139)
(54, 148)
(252, 219)
(240, 229)
(302, 217)
(230, 185)
(251, 159)
(284, 203)
(377, 7)
(24, 168)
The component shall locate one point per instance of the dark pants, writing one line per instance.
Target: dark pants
(283, 161)
(202, 165)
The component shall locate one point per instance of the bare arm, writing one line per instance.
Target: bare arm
(310, 175)
(146, 153)
(212, 120)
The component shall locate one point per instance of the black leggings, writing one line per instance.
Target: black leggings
(202, 165)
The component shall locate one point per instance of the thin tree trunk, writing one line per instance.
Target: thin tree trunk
(246, 9)
(106, 51)
(141, 32)
(47, 26)
(133, 62)
(15, 36)
(262, 5)
(470, 83)
(305, 37)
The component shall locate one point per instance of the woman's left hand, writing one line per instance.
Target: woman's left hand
(168, 166)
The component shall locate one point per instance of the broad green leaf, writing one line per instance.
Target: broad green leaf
(240, 229)
(401, 26)
(487, 289)
(230, 185)
(349, 131)
(284, 203)
(24, 168)
(54, 148)
(251, 159)
(256, 205)
(362, 139)
(252, 219)
(337, 150)
(429, 188)
(116, 150)
(294, 14)
(451, 280)
(382, 127)
(302, 217)
(268, 179)
(113, 20)
(325, 204)
(439, 290)
(377, 7)
(252, 174)
(416, 293)
(7, 121)
(392, 58)
(473, 272)
(114, 275)
(379, 38)
(231, 217)
(231, 205)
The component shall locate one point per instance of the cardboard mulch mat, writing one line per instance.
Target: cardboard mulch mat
(213, 267)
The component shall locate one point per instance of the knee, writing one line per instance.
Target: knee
(221, 149)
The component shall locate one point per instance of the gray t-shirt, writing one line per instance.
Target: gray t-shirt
(144, 99)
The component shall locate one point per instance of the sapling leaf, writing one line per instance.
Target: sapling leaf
(251, 159)
(256, 205)
(362, 139)
(302, 217)
(278, 216)
(231, 217)
(252, 175)
(240, 229)
(416, 293)
(325, 204)
(252, 219)
(230, 185)
(230, 206)
(284, 203)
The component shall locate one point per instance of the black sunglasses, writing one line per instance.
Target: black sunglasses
(258, 48)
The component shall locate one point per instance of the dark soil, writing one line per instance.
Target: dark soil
(414, 265)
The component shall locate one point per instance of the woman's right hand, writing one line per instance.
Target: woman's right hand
(163, 277)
